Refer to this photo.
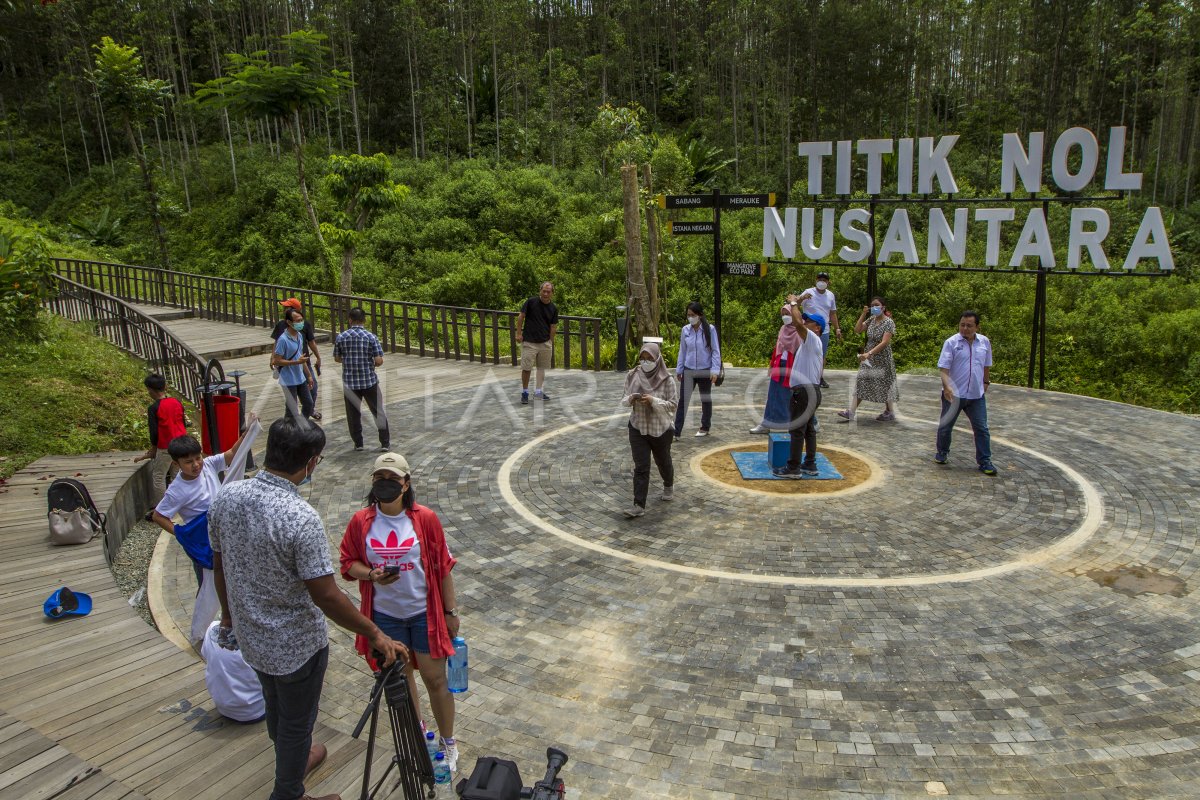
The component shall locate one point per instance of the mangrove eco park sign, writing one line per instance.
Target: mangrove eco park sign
(919, 172)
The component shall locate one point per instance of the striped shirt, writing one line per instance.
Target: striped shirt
(358, 348)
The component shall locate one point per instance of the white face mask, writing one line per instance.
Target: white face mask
(787, 320)
(648, 366)
(822, 285)
(693, 320)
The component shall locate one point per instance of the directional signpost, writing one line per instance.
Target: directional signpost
(717, 201)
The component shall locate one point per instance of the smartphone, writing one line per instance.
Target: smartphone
(391, 569)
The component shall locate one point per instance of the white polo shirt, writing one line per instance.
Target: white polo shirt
(806, 366)
(966, 360)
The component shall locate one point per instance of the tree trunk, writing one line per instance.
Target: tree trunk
(151, 196)
(638, 299)
(322, 256)
(653, 243)
(347, 270)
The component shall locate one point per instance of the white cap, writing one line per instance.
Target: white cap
(392, 462)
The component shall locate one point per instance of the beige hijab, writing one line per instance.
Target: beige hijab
(638, 381)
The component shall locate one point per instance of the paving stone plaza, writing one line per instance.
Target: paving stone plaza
(930, 631)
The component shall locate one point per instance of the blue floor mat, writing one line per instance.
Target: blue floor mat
(753, 467)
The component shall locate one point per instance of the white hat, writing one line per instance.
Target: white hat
(392, 462)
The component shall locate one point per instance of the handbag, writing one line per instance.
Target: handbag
(720, 376)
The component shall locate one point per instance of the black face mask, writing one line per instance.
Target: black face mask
(387, 489)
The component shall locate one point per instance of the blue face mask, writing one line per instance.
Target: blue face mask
(298, 326)
(876, 311)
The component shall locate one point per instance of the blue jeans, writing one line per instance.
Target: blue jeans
(701, 378)
(976, 411)
(412, 632)
(292, 701)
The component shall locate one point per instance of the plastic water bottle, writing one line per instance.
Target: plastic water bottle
(441, 772)
(431, 745)
(456, 666)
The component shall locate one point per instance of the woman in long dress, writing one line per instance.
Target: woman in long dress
(876, 366)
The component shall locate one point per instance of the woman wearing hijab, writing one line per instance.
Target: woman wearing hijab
(777, 415)
(653, 395)
(397, 552)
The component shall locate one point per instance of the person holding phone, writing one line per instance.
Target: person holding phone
(397, 552)
(295, 371)
(653, 397)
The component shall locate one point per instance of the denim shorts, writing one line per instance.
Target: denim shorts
(413, 632)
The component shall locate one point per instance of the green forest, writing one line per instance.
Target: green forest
(462, 152)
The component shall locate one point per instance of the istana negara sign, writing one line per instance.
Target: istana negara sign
(919, 172)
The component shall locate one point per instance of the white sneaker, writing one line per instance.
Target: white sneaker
(451, 750)
(760, 429)
(701, 432)
(668, 492)
(634, 511)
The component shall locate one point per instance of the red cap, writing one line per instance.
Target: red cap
(291, 302)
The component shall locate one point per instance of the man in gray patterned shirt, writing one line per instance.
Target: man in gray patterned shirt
(274, 577)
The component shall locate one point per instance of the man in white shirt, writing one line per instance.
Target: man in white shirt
(805, 380)
(965, 366)
(819, 301)
(232, 683)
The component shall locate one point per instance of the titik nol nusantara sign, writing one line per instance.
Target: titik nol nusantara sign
(923, 169)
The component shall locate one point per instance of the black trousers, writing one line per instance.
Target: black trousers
(292, 702)
(806, 399)
(373, 397)
(643, 448)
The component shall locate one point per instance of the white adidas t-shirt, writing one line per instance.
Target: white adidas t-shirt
(392, 540)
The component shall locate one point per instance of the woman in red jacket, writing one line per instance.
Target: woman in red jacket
(397, 552)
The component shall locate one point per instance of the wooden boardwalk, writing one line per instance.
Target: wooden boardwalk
(104, 706)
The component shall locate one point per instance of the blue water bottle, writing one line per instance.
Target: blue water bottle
(441, 770)
(431, 745)
(456, 666)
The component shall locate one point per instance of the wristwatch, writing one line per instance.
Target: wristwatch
(453, 612)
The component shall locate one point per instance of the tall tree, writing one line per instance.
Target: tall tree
(257, 87)
(135, 99)
(362, 186)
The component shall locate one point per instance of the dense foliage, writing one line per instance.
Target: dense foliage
(506, 123)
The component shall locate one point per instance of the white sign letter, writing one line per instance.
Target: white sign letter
(1114, 178)
(811, 250)
(931, 163)
(1014, 161)
(1034, 241)
(1092, 240)
(857, 235)
(873, 149)
(1089, 154)
(993, 217)
(842, 181)
(899, 239)
(778, 232)
(904, 164)
(1143, 247)
(814, 152)
(941, 236)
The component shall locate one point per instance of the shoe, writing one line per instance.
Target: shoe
(322, 797)
(383, 448)
(939, 458)
(760, 429)
(668, 493)
(634, 511)
(358, 448)
(316, 754)
(316, 415)
(824, 385)
(809, 469)
(541, 396)
(886, 416)
(450, 748)
(524, 398)
(677, 437)
(784, 472)
(846, 414)
(701, 432)
(988, 469)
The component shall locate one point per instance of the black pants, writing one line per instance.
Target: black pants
(373, 397)
(292, 701)
(643, 447)
(702, 380)
(300, 395)
(806, 399)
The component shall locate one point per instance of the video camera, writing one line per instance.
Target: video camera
(497, 779)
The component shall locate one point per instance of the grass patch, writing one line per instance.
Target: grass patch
(71, 392)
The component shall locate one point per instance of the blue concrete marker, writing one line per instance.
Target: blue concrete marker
(753, 467)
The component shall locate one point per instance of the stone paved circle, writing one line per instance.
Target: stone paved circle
(1026, 678)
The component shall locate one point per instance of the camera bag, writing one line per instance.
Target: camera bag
(492, 779)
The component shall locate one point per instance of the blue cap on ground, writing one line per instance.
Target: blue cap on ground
(817, 318)
(64, 602)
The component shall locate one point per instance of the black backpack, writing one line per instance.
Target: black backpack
(72, 515)
(492, 779)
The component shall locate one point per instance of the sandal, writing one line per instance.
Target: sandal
(316, 415)
(846, 414)
(886, 416)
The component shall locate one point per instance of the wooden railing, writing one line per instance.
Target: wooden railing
(133, 331)
(449, 332)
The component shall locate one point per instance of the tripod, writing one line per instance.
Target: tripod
(411, 759)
